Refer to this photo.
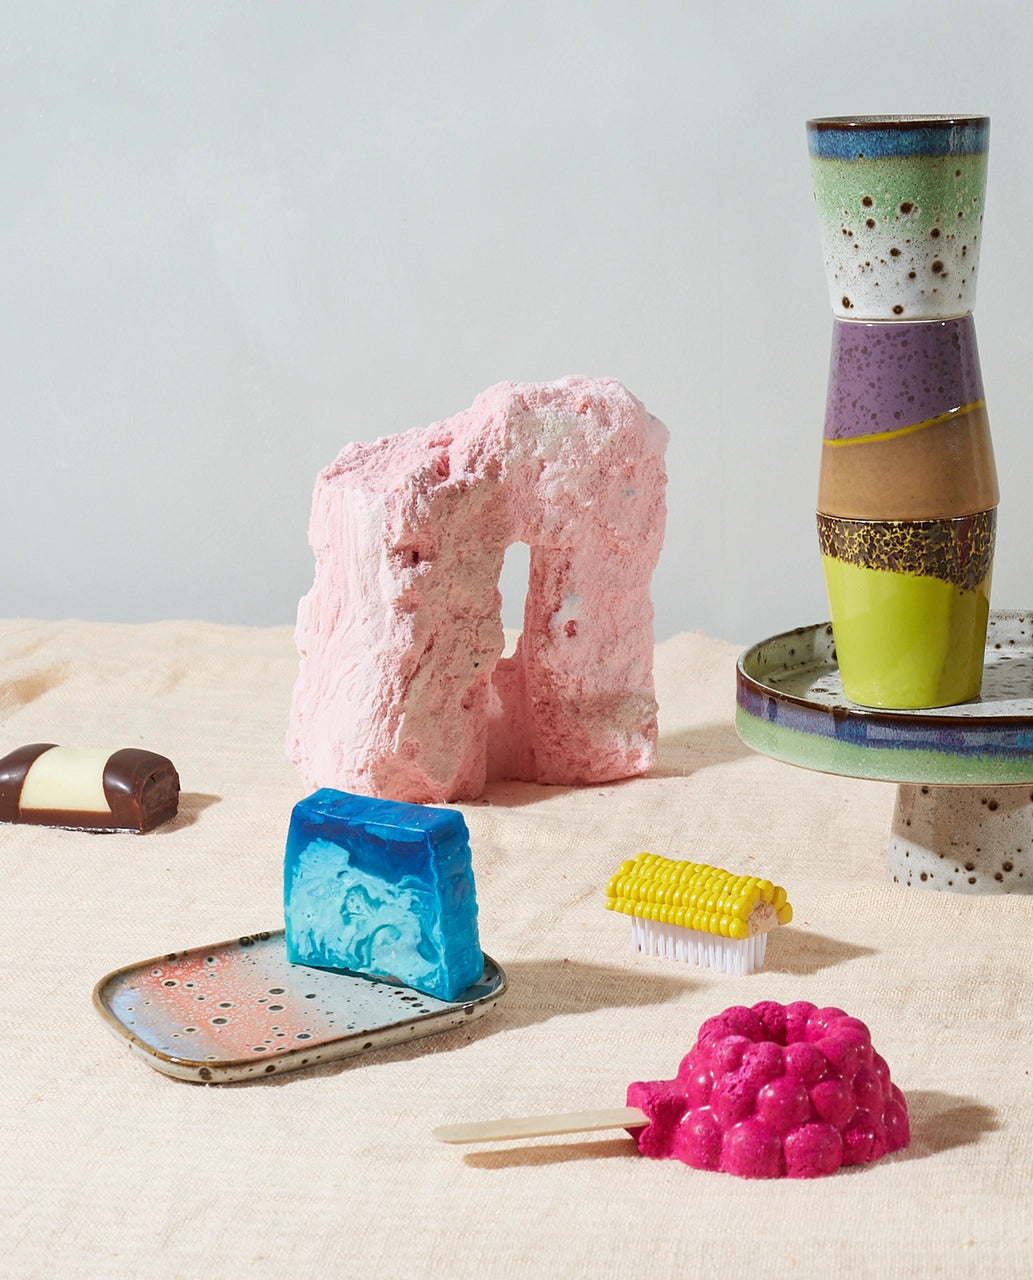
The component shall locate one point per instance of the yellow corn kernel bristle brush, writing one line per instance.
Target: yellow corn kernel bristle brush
(697, 914)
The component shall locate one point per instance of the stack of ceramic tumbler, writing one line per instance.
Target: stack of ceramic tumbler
(908, 489)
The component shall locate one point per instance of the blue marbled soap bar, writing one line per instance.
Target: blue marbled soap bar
(383, 889)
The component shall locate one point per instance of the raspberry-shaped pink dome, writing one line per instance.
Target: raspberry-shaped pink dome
(776, 1091)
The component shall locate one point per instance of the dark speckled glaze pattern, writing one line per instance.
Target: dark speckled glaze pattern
(959, 552)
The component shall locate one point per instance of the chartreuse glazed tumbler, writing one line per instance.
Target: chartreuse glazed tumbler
(908, 491)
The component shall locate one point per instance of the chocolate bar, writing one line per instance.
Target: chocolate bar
(89, 789)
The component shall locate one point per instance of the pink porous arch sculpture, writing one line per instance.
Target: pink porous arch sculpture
(402, 692)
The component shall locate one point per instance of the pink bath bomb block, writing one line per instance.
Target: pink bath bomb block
(775, 1091)
(402, 692)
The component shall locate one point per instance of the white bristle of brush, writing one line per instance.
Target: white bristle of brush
(691, 946)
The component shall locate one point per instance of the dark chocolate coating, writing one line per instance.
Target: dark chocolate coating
(13, 769)
(141, 788)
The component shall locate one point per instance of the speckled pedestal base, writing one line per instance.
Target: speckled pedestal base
(964, 774)
(963, 839)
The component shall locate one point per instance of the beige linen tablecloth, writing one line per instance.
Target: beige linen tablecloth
(109, 1168)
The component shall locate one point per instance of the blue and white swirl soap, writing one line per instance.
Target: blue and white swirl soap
(383, 889)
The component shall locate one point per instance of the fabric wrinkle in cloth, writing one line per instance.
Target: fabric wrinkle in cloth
(112, 1169)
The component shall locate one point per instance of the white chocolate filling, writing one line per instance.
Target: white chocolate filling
(67, 779)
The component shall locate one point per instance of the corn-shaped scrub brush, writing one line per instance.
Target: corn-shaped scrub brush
(697, 914)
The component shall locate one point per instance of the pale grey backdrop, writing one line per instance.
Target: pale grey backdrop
(237, 236)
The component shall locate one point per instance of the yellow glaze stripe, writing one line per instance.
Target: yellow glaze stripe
(910, 430)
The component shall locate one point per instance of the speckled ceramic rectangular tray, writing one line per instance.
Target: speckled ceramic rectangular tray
(239, 1010)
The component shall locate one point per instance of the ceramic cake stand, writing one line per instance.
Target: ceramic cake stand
(963, 821)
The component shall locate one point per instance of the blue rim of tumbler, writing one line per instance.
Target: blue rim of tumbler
(878, 137)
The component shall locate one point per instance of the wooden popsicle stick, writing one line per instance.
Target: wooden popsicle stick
(542, 1126)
